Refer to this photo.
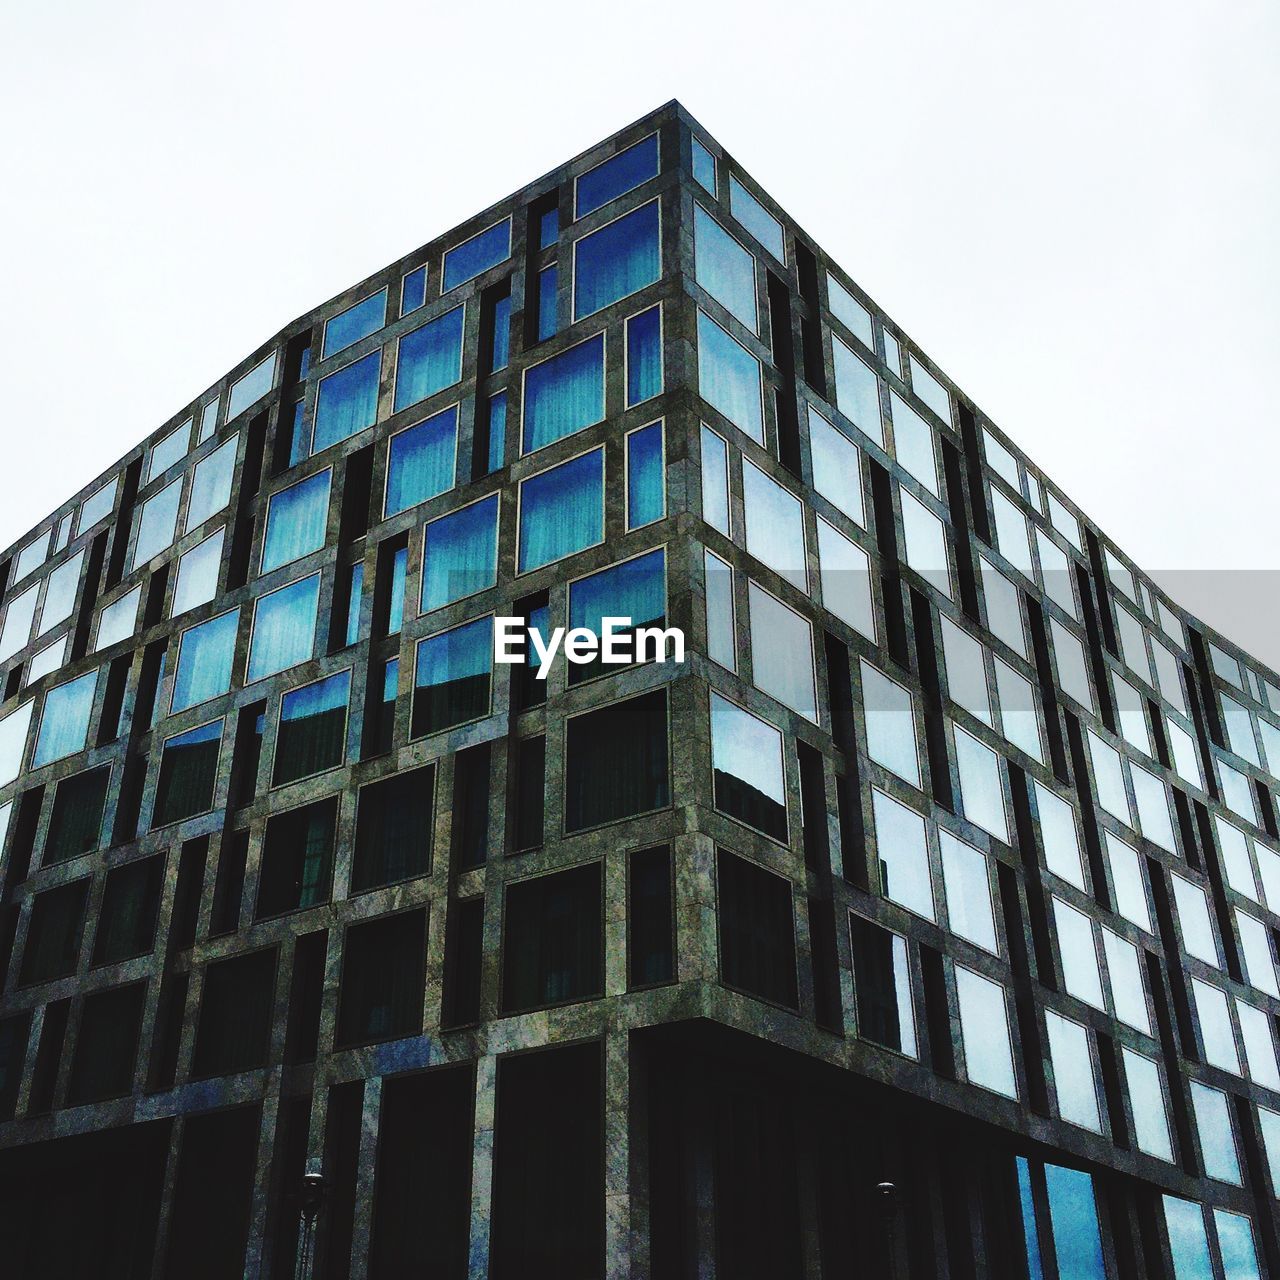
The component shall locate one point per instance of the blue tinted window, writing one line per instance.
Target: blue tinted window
(619, 259)
(548, 283)
(452, 677)
(1074, 1217)
(548, 228)
(211, 487)
(497, 430)
(478, 254)
(704, 166)
(65, 722)
(756, 218)
(250, 387)
(729, 378)
(208, 420)
(313, 722)
(1030, 1236)
(347, 401)
(296, 521)
(1188, 1240)
(430, 359)
(459, 553)
(645, 497)
(205, 654)
(156, 524)
(298, 434)
(420, 461)
(635, 589)
(97, 506)
(169, 450)
(413, 291)
(399, 576)
(354, 593)
(356, 322)
(644, 356)
(620, 173)
(564, 394)
(197, 577)
(724, 268)
(284, 628)
(562, 510)
(501, 333)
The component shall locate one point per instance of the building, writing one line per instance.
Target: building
(922, 923)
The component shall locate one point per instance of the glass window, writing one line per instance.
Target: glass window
(756, 218)
(561, 510)
(1128, 994)
(782, 652)
(358, 321)
(60, 594)
(930, 390)
(208, 421)
(1259, 960)
(1167, 675)
(1062, 520)
(313, 729)
(1147, 1105)
(1072, 668)
(704, 166)
(1073, 1075)
(460, 553)
(1198, 938)
(430, 359)
(619, 174)
(205, 654)
(157, 523)
(729, 378)
(1127, 883)
(399, 574)
(1240, 731)
(552, 939)
(1108, 779)
(1011, 532)
(981, 794)
(296, 519)
(284, 628)
(903, 854)
(746, 761)
(1235, 1243)
(837, 467)
(413, 290)
(968, 887)
(197, 578)
(966, 671)
(1259, 1045)
(17, 622)
(452, 677)
(913, 442)
(1215, 1027)
(715, 481)
(724, 268)
(1131, 714)
(501, 353)
(845, 570)
(1235, 858)
(485, 249)
(250, 387)
(164, 453)
(1270, 1123)
(1237, 792)
(13, 742)
(1217, 1138)
(497, 431)
(1073, 1217)
(50, 658)
(211, 487)
(646, 499)
(347, 401)
(775, 525)
(619, 259)
(1188, 1240)
(890, 725)
(119, 619)
(549, 227)
(188, 773)
(636, 590)
(1001, 461)
(1186, 761)
(984, 1032)
(64, 723)
(1151, 798)
(882, 987)
(857, 391)
(616, 762)
(1004, 616)
(850, 312)
(1019, 720)
(757, 930)
(718, 597)
(1080, 973)
(644, 356)
(97, 506)
(1056, 574)
(564, 394)
(926, 542)
(31, 557)
(547, 306)
(1060, 836)
(421, 461)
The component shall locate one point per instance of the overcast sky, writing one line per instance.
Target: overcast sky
(1074, 210)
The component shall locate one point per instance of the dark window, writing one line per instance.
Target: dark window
(303, 1034)
(383, 972)
(75, 826)
(463, 956)
(757, 932)
(526, 688)
(495, 328)
(313, 729)
(548, 227)
(297, 859)
(650, 942)
(616, 761)
(186, 894)
(44, 1078)
(188, 772)
(380, 710)
(127, 921)
(53, 940)
(551, 947)
(393, 830)
(471, 806)
(235, 1015)
(166, 1039)
(248, 754)
(228, 888)
(530, 788)
(452, 677)
(14, 1032)
(881, 986)
(107, 1046)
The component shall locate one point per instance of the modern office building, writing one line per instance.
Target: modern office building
(921, 923)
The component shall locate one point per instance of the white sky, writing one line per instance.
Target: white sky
(1073, 210)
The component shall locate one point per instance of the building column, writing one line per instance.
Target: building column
(619, 1246)
(482, 1167)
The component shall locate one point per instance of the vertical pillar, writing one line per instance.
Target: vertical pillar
(482, 1166)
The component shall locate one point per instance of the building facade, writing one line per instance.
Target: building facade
(920, 923)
